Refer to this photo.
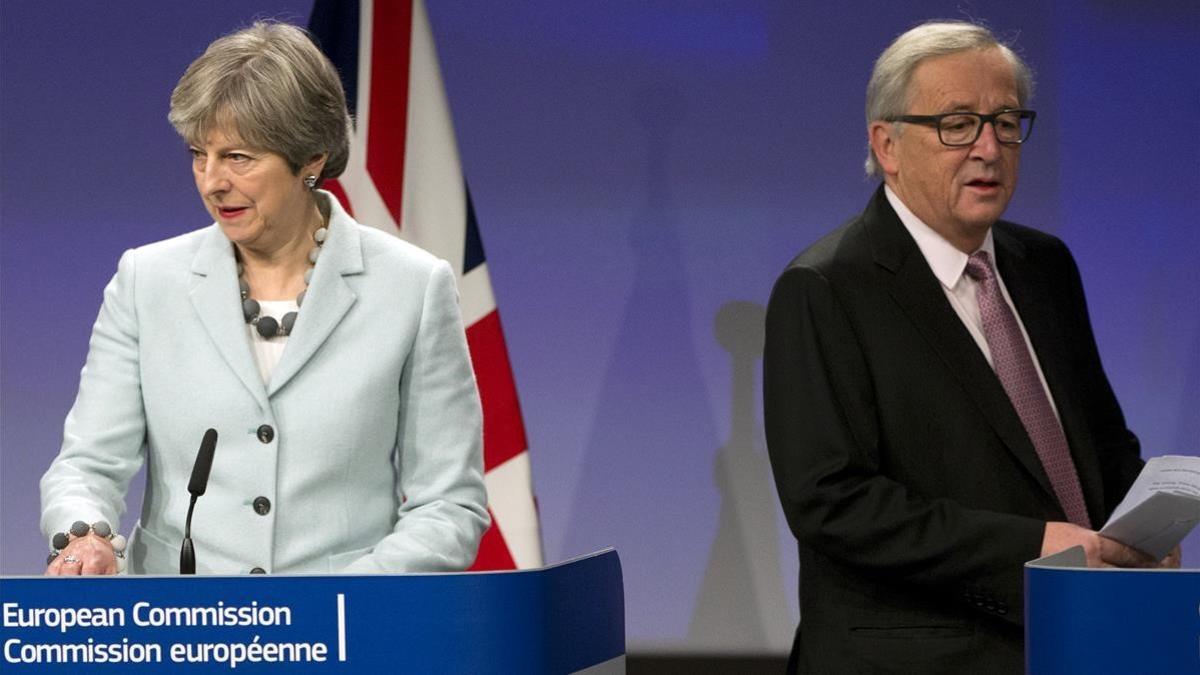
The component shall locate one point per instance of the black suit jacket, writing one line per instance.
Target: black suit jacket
(911, 486)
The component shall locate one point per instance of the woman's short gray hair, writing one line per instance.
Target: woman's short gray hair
(273, 85)
(888, 91)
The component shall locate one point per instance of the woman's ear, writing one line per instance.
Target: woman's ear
(315, 166)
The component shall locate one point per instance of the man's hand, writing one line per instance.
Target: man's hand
(1173, 559)
(1100, 551)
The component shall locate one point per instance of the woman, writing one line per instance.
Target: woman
(330, 357)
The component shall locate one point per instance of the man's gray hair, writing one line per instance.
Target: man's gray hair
(275, 88)
(888, 91)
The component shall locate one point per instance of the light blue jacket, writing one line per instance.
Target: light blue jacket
(375, 461)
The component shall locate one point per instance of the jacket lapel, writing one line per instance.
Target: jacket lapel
(328, 299)
(920, 295)
(214, 294)
(1028, 286)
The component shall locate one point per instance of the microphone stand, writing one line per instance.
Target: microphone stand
(197, 485)
(187, 554)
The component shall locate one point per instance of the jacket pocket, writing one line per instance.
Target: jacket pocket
(911, 632)
(913, 644)
(150, 554)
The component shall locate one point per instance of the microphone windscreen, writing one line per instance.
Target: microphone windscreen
(204, 459)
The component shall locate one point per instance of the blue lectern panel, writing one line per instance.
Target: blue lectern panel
(555, 620)
(1112, 621)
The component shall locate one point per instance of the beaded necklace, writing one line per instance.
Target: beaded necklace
(267, 326)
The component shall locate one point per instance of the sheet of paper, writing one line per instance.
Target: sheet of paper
(1161, 507)
(1073, 557)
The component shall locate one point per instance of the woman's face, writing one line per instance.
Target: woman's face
(251, 193)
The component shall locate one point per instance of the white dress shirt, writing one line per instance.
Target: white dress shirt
(949, 265)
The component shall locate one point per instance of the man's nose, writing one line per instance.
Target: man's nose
(987, 146)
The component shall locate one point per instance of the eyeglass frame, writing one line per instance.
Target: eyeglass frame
(935, 121)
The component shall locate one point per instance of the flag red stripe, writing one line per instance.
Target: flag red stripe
(391, 38)
(493, 551)
(503, 431)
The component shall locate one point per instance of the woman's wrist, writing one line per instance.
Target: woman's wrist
(80, 530)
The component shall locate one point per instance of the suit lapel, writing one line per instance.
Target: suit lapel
(1031, 290)
(920, 295)
(214, 294)
(328, 299)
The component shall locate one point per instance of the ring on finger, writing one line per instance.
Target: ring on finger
(70, 559)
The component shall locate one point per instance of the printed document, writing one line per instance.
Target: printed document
(1161, 507)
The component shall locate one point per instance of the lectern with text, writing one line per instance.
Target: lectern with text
(560, 619)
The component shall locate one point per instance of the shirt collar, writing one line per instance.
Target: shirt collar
(948, 263)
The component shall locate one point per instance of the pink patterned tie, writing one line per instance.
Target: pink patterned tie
(1014, 366)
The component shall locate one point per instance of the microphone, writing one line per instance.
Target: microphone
(197, 485)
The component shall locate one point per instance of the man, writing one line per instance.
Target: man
(936, 411)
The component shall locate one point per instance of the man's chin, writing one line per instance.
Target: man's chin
(981, 218)
(984, 207)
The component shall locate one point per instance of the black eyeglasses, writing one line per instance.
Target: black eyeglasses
(957, 129)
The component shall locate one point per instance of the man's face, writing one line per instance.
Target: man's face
(958, 191)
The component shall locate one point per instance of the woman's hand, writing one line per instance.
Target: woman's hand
(90, 554)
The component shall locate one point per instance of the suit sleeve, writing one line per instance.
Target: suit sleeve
(443, 503)
(104, 433)
(826, 452)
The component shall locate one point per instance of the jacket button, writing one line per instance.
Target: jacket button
(262, 506)
(266, 434)
(258, 570)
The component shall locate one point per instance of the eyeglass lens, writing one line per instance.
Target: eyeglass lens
(964, 129)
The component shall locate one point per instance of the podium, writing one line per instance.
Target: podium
(1081, 620)
(564, 618)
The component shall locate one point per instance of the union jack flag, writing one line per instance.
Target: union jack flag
(404, 177)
